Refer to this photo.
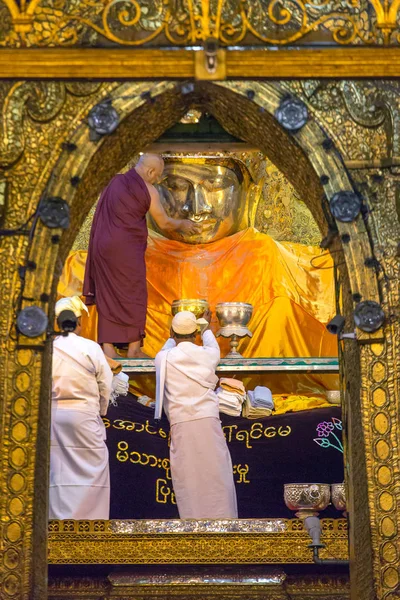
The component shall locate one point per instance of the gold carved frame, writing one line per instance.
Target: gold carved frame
(47, 154)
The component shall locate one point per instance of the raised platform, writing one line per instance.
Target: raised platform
(248, 365)
(174, 541)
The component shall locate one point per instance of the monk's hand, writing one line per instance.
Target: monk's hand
(207, 315)
(189, 228)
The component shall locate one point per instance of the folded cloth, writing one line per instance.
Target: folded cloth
(230, 403)
(114, 365)
(263, 397)
(146, 401)
(120, 387)
(253, 411)
(230, 384)
(250, 398)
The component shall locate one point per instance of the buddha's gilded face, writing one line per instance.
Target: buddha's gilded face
(207, 194)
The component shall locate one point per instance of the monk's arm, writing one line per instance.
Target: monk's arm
(165, 222)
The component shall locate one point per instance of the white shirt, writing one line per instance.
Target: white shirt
(186, 380)
(82, 378)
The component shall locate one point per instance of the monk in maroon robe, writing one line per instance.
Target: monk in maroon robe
(115, 275)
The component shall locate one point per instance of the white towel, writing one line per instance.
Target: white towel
(120, 387)
(263, 397)
(230, 403)
(253, 409)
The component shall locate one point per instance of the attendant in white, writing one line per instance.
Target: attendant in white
(81, 388)
(201, 466)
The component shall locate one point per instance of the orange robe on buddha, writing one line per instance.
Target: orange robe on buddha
(293, 299)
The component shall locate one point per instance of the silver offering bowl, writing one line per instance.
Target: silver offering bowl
(233, 318)
(333, 397)
(338, 494)
(307, 498)
(197, 307)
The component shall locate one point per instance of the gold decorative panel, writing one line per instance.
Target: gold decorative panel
(140, 22)
(184, 542)
(204, 584)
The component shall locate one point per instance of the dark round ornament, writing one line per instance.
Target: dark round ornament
(345, 206)
(368, 316)
(292, 114)
(32, 321)
(54, 212)
(103, 118)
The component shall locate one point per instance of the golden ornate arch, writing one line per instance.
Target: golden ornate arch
(50, 154)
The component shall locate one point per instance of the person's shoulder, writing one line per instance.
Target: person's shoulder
(119, 179)
(59, 340)
(152, 190)
(89, 344)
(117, 182)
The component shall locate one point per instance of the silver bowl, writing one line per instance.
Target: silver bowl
(307, 496)
(338, 493)
(234, 314)
(196, 306)
(333, 396)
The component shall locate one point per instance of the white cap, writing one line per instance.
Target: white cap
(185, 323)
(73, 303)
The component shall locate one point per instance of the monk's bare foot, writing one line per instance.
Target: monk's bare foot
(137, 354)
(110, 351)
(135, 350)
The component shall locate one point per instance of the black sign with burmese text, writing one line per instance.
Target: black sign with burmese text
(300, 447)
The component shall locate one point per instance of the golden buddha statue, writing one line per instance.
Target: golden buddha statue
(207, 190)
(230, 261)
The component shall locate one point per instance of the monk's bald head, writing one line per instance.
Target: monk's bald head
(150, 167)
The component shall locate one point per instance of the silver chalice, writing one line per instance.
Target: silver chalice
(233, 318)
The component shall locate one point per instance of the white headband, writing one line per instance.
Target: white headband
(73, 303)
(185, 323)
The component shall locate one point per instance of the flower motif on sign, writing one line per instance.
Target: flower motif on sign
(324, 429)
(327, 437)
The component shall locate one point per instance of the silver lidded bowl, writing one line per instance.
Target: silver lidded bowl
(338, 493)
(333, 396)
(307, 498)
(196, 306)
(233, 314)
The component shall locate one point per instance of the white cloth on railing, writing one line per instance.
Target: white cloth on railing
(120, 387)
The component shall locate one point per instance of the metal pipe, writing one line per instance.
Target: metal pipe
(327, 561)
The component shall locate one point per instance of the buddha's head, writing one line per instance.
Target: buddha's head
(211, 191)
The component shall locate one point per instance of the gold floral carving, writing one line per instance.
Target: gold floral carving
(203, 583)
(141, 22)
